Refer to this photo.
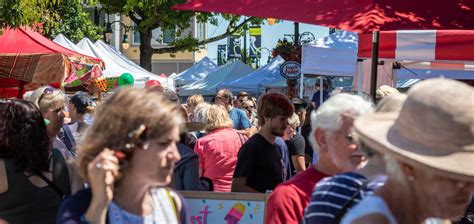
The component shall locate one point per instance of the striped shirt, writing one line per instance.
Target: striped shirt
(332, 193)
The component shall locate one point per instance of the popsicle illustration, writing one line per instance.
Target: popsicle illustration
(235, 214)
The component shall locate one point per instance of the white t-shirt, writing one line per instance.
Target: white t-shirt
(371, 204)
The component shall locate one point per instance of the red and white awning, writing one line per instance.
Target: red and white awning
(422, 45)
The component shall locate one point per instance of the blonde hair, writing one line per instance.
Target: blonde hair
(294, 121)
(127, 111)
(217, 117)
(271, 105)
(395, 172)
(391, 103)
(46, 101)
(194, 100)
(384, 91)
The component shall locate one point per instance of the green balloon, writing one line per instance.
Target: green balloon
(126, 79)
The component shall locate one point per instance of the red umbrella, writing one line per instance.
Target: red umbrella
(362, 16)
(352, 15)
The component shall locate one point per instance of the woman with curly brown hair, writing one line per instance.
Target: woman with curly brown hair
(128, 157)
(27, 190)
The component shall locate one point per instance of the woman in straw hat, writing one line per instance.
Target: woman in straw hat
(128, 157)
(333, 196)
(429, 150)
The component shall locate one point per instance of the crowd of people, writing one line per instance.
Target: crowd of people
(340, 158)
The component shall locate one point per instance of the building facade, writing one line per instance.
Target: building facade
(161, 63)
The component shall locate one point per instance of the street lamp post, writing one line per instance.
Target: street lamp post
(97, 13)
(298, 41)
(109, 33)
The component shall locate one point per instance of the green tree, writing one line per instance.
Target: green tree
(72, 21)
(16, 13)
(51, 17)
(152, 14)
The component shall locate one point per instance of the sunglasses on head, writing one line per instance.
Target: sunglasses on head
(46, 91)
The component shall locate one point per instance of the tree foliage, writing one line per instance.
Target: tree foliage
(151, 14)
(50, 17)
(16, 13)
(72, 21)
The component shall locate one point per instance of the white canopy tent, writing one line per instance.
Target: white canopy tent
(123, 60)
(336, 55)
(196, 72)
(210, 83)
(116, 65)
(63, 41)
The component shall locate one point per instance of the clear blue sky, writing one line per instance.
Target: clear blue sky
(270, 35)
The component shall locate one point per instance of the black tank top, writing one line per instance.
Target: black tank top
(25, 202)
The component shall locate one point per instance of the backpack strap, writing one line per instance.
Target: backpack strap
(50, 183)
(350, 202)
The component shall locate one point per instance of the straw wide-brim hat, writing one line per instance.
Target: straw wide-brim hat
(195, 126)
(434, 129)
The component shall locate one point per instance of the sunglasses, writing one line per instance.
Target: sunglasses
(46, 91)
(248, 108)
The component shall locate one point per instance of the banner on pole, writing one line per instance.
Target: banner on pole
(235, 48)
(255, 41)
(221, 54)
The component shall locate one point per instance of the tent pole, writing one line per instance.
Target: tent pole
(99, 95)
(321, 90)
(301, 85)
(375, 60)
(359, 76)
(21, 89)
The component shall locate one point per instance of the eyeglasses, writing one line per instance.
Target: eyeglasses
(352, 137)
(46, 91)
(249, 107)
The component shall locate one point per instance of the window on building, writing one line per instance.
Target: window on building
(169, 35)
(135, 35)
(201, 31)
(158, 38)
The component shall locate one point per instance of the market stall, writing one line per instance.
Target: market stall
(210, 84)
(196, 72)
(28, 59)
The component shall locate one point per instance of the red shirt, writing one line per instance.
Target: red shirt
(289, 199)
(217, 152)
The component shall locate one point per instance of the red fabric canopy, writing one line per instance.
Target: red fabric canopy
(352, 15)
(421, 45)
(32, 58)
(25, 40)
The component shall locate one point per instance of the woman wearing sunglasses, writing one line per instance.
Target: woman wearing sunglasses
(128, 157)
(51, 103)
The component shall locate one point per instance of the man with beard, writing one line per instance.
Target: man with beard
(259, 164)
(240, 121)
(332, 140)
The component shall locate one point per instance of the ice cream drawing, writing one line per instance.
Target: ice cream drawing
(235, 214)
